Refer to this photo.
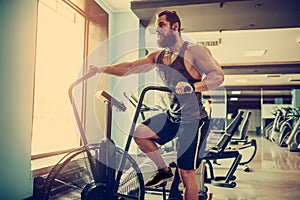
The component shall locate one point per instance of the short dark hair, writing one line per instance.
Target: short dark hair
(172, 17)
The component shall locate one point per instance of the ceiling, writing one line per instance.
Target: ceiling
(234, 28)
(217, 15)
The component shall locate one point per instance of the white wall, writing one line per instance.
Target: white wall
(17, 59)
(123, 45)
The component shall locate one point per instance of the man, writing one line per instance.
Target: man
(181, 66)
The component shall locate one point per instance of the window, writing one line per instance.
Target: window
(60, 47)
(67, 32)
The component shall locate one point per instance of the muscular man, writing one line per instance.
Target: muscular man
(182, 66)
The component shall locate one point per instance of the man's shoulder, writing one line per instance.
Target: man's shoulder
(191, 46)
(197, 48)
(155, 54)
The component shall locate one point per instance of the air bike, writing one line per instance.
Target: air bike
(103, 171)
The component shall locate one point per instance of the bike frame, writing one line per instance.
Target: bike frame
(120, 107)
(132, 129)
(78, 121)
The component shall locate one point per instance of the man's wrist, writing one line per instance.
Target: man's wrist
(100, 69)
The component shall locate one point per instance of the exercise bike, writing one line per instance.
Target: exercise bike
(293, 141)
(287, 126)
(169, 154)
(279, 119)
(100, 171)
(95, 171)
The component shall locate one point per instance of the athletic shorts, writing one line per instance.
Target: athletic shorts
(191, 137)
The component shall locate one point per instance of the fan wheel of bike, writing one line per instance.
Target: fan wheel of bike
(72, 178)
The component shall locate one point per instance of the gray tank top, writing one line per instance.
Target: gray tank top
(185, 106)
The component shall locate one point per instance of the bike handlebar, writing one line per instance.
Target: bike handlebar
(81, 79)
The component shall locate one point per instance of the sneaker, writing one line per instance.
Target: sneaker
(158, 177)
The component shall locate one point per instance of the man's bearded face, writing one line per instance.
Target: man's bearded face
(166, 38)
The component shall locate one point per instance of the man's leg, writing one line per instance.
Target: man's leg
(157, 129)
(190, 187)
(189, 141)
(143, 137)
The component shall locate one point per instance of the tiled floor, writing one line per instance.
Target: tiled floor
(275, 175)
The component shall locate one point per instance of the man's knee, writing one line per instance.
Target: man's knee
(139, 134)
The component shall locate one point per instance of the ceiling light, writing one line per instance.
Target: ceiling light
(236, 92)
(234, 99)
(255, 53)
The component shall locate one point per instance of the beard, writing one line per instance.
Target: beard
(167, 40)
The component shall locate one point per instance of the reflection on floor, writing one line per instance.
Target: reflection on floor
(275, 175)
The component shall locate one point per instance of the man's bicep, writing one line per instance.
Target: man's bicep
(144, 64)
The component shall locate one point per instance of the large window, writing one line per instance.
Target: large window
(60, 39)
(65, 35)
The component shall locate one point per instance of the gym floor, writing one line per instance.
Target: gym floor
(275, 174)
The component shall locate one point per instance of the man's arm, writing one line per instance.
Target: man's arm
(204, 62)
(141, 65)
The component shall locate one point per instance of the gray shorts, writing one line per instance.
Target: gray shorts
(191, 137)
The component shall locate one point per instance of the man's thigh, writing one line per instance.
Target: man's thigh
(189, 144)
(165, 129)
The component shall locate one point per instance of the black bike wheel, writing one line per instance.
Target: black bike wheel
(73, 176)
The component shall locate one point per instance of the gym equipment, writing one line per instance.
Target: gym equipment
(293, 140)
(95, 171)
(220, 151)
(241, 134)
(98, 171)
(283, 124)
(280, 129)
(286, 127)
(269, 127)
(239, 141)
(247, 148)
(279, 119)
